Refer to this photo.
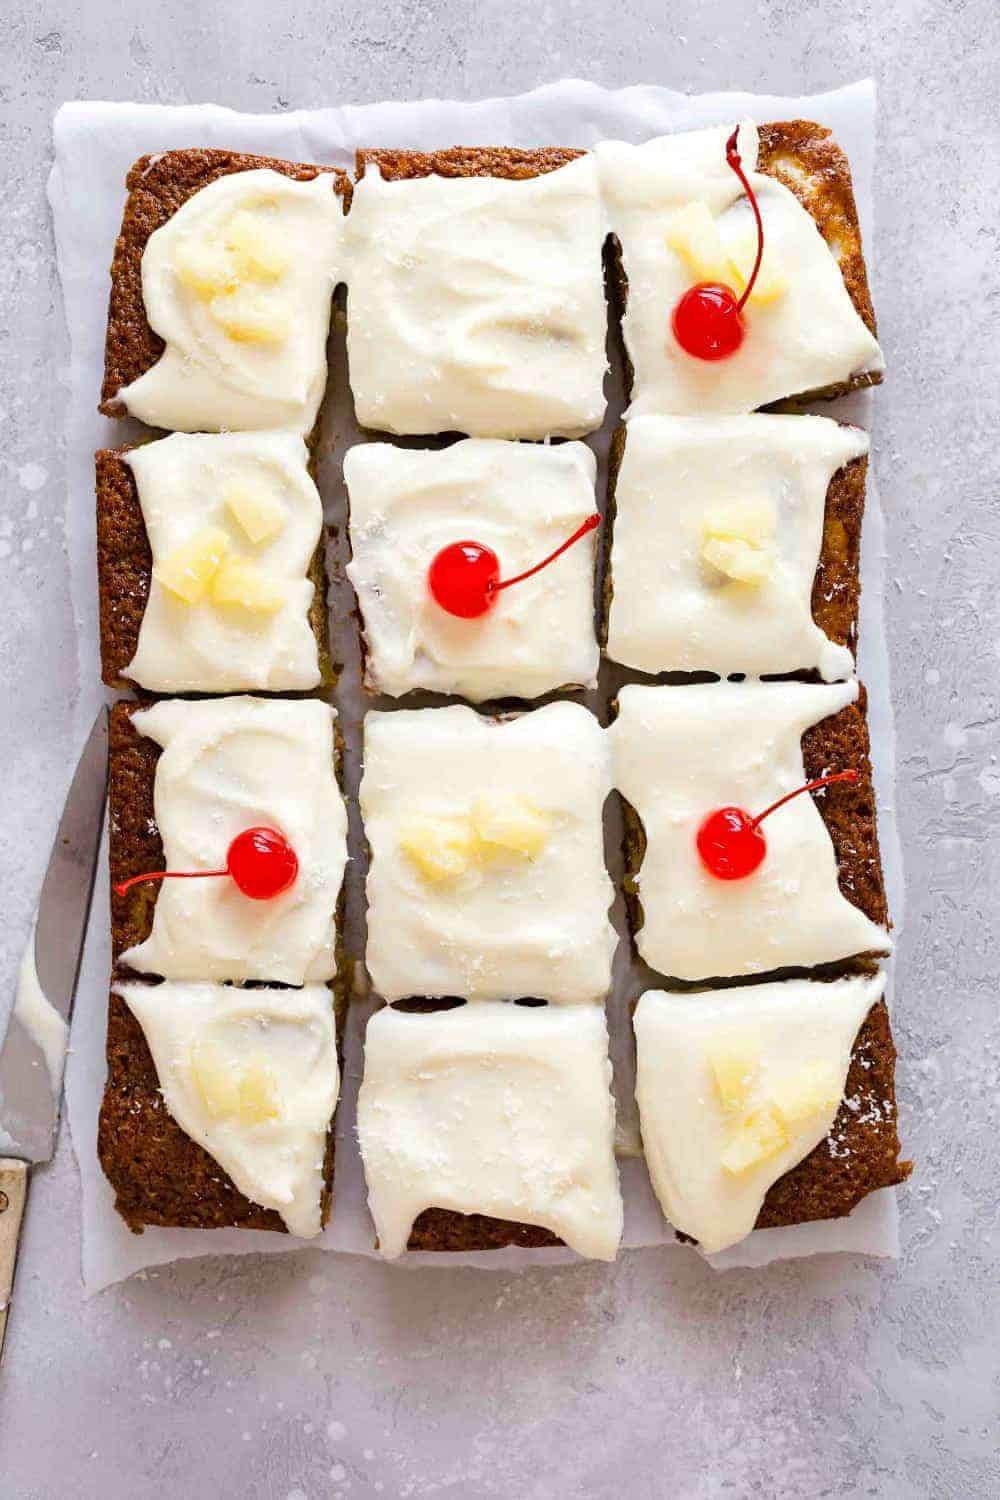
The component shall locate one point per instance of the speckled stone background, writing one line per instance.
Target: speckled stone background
(301, 1377)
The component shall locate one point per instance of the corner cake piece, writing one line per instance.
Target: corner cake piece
(476, 293)
(185, 779)
(210, 565)
(736, 544)
(766, 1105)
(523, 501)
(487, 877)
(683, 753)
(221, 288)
(679, 218)
(478, 1124)
(218, 1107)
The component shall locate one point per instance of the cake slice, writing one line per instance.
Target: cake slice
(523, 501)
(186, 778)
(679, 218)
(767, 1104)
(221, 287)
(476, 293)
(817, 897)
(487, 879)
(487, 1125)
(218, 1106)
(736, 543)
(183, 609)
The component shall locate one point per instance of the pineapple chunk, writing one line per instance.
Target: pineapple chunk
(240, 581)
(733, 1070)
(256, 248)
(191, 567)
(215, 1078)
(248, 317)
(205, 268)
(751, 520)
(760, 1136)
(509, 822)
(258, 1095)
(771, 282)
(441, 848)
(811, 1092)
(693, 234)
(740, 561)
(256, 512)
(737, 540)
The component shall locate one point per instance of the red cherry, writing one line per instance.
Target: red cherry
(260, 860)
(730, 842)
(464, 577)
(708, 319)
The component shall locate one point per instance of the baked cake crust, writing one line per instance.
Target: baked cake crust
(157, 187)
(466, 161)
(861, 1151)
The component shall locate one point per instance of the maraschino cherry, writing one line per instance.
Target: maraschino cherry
(260, 860)
(730, 840)
(708, 319)
(464, 577)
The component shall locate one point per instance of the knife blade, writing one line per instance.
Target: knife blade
(34, 1049)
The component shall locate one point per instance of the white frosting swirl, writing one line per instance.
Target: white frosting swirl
(182, 482)
(275, 1152)
(671, 612)
(512, 927)
(491, 1109)
(476, 304)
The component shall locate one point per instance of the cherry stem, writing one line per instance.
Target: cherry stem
(589, 525)
(810, 786)
(124, 885)
(733, 159)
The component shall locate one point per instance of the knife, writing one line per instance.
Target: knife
(34, 1048)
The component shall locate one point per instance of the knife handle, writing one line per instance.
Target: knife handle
(13, 1194)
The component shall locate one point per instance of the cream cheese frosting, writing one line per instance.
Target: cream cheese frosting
(680, 753)
(187, 481)
(522, 500)
(229, 764)
(806, 339)
(492, 1109)
(476, 304)
(459, 906)
(252, 1077)
(673, 608)
(239, 284)
(715, 1070)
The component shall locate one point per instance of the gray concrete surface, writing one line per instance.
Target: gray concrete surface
(299, 1377)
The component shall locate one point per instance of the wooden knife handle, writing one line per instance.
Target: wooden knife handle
(13, 1194)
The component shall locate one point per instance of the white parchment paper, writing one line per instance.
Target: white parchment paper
(95, 144)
